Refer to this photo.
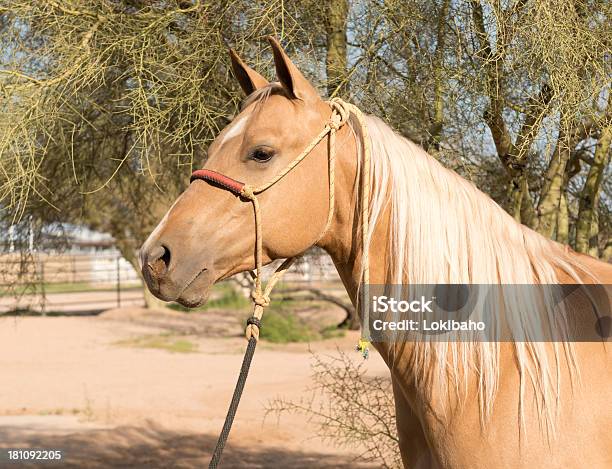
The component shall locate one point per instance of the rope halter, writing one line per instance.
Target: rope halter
(341, 112)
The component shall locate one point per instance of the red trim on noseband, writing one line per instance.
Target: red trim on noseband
(217, 178)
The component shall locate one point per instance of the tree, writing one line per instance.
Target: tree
(524, 82)
(106, 106)
(336, 60)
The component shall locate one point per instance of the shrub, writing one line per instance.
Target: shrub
(350, 409)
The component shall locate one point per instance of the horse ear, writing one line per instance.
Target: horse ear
(289, 76)
(248, 78)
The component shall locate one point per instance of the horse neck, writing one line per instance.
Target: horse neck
(343, 242)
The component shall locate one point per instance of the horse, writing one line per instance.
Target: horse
(458, 405)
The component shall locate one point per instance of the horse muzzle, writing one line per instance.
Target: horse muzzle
(166, 283)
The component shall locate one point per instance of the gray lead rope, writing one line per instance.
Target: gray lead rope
(231, 412)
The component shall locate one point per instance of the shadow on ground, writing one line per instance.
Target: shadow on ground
(151, 447)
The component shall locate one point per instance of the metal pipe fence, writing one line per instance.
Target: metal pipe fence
(86, 283)
(59, 282)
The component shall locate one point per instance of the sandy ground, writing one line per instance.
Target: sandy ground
(76, 384)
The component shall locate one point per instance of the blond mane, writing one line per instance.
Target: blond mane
(443, 230)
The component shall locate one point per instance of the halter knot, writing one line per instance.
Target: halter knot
(341, 112)
(260, 299)
(334, 125)
(247, 192)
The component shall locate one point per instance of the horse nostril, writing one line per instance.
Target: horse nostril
(166, 256)
(159, 260)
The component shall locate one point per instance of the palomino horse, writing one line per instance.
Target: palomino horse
(461, 405)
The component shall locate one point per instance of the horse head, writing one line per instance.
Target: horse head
(209, 233)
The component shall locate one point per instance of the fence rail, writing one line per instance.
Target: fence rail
(85, 283)
(46, 282)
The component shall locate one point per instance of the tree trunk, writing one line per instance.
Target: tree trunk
(528, 213)
(589, 197)
(594, 236)
(336, 13)
(563, 220)
(437, 120)
(516, 198)
(554, 187)
(607, 252)
(351, 320)
(512, 155)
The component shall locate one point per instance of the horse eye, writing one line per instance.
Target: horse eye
(261, 155)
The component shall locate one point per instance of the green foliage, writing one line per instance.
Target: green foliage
(166, 342)
(230, 298)
(284, 327)
(224, 296)
(281, 323)
(332, 332)
(107, 104)
(62, 287)
(32, 312)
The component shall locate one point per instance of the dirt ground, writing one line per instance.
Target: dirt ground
(133, 388)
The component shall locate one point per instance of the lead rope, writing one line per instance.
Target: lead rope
(341, 111)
